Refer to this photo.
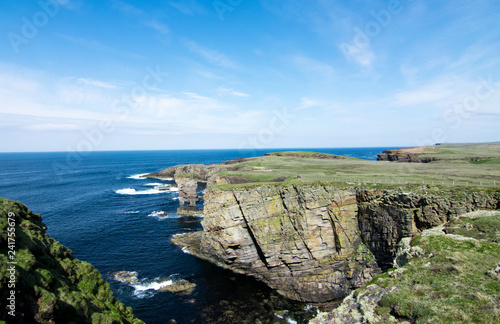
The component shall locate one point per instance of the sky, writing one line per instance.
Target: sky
(96, 75)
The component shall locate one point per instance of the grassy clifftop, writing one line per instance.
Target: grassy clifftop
(473, 164)
(40, 281)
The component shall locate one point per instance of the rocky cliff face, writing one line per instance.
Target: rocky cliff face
(316, 242)
(303, 241)
(385, 217)
(403, 156)
(41, 282)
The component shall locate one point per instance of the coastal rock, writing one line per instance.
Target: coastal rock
(182, 287)
(302, 241)
(386, 217)
(359, 307)
(318, 242)
(188, 190)
(49, 285)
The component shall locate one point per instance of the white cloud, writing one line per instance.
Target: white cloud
(212, 56)
(188, 7)
(436, 93)
(362, 55)
(312, 66)
(231, 91)
(52, 127)
(306, 103)
(97, 83)
(158, 26)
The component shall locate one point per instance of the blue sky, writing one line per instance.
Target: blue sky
(82, 75)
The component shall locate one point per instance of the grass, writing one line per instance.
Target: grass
(452, 283)
(464, 151)
(457, 171)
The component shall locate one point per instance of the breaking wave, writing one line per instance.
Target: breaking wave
(137, 176)
(131, 191)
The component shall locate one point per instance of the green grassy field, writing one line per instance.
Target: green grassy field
(476, 165)
(453, 281)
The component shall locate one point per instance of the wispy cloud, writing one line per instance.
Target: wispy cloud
(231, 91)
(306, 103)
(362, 55)
(188, 7)
(52, 127)
(312, 66)
(435, 93)
(212, 56)
(143, 17)
(97, 83)
(97, 46)
(126, 8)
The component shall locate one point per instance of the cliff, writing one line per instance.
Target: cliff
(470, 152)
(448, 274)
(318, 241)
(41, 282)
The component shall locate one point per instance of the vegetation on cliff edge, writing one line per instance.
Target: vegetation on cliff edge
(456, 280)
(50, 285)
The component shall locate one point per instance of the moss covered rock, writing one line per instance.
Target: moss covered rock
(41, 282)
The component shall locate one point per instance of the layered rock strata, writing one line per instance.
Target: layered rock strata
(317, 242)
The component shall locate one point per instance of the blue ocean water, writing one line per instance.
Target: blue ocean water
(98, 207)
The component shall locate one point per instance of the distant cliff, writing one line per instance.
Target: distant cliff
(41, 282)
(317, 242)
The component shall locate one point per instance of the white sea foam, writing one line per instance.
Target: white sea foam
(138, 176)
(154, 184)
(153, 285)
(131, 191)
(131, 212)
(159, 214)
(185, 250)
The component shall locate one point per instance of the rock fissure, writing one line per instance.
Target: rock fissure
(261, 254)
(318, 242)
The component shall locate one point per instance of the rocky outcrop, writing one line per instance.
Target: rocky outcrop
(385, 217)
(203, 172)
(317, 242)
(303, 241)
(404, 155)
(357, 308)
(188, 194)
(309, 155)
(41, 282)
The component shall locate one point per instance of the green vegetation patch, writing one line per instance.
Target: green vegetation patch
(48, 280)
(187, 175)
(454, 282)
(482, 228)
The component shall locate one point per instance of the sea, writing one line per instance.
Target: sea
(97, 205)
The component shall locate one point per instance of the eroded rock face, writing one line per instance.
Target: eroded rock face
(302, 241)
(314, 242)
(386, 217)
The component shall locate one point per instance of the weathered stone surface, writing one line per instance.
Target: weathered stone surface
(182, 287)
(302, 241)
(316, 242)
(385, 217)
(358, 307)
(188, 191)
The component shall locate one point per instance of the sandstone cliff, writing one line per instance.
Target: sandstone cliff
(317, 242)
(45, 284)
